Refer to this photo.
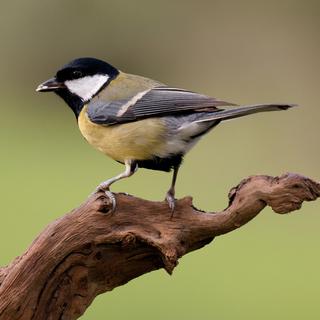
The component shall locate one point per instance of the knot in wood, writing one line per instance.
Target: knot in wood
(105, 205)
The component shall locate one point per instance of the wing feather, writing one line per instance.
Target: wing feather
(159, 101)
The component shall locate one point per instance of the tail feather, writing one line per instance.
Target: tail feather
(244, 111)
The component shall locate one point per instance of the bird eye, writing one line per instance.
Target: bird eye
(77, 74)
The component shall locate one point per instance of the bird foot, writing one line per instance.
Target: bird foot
(112, 198)
(171, 201)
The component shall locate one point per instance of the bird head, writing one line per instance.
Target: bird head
(79, 81)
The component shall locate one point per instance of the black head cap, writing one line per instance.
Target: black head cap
(85, 67)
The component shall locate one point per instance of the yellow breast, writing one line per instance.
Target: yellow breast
(139, 140)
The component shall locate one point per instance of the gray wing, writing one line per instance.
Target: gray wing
(159, 101)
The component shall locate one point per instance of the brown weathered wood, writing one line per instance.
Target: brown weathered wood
(90, 251)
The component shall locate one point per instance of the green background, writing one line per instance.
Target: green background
(242, 51)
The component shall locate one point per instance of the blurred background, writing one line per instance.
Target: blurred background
(243, 51)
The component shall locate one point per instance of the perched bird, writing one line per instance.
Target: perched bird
(138, 121)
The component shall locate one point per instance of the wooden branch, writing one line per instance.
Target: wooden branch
(90, 251)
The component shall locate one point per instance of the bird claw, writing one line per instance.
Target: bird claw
(171, 202)
(112, 198)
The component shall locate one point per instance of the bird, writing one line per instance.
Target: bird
(137, 121)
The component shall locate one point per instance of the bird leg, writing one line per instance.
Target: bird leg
(131, 168)
(171, 192)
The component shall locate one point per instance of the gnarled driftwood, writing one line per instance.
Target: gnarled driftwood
(90, 251)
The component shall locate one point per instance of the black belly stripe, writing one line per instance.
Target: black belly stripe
(161, 164)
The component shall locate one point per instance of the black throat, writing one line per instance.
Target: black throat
(74, 102)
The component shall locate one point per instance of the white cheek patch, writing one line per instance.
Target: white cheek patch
(86, 87)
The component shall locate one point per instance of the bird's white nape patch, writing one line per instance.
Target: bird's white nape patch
(86, 87)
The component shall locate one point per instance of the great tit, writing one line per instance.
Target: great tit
(137, 121)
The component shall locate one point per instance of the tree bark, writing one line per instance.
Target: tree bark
(90, 250)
